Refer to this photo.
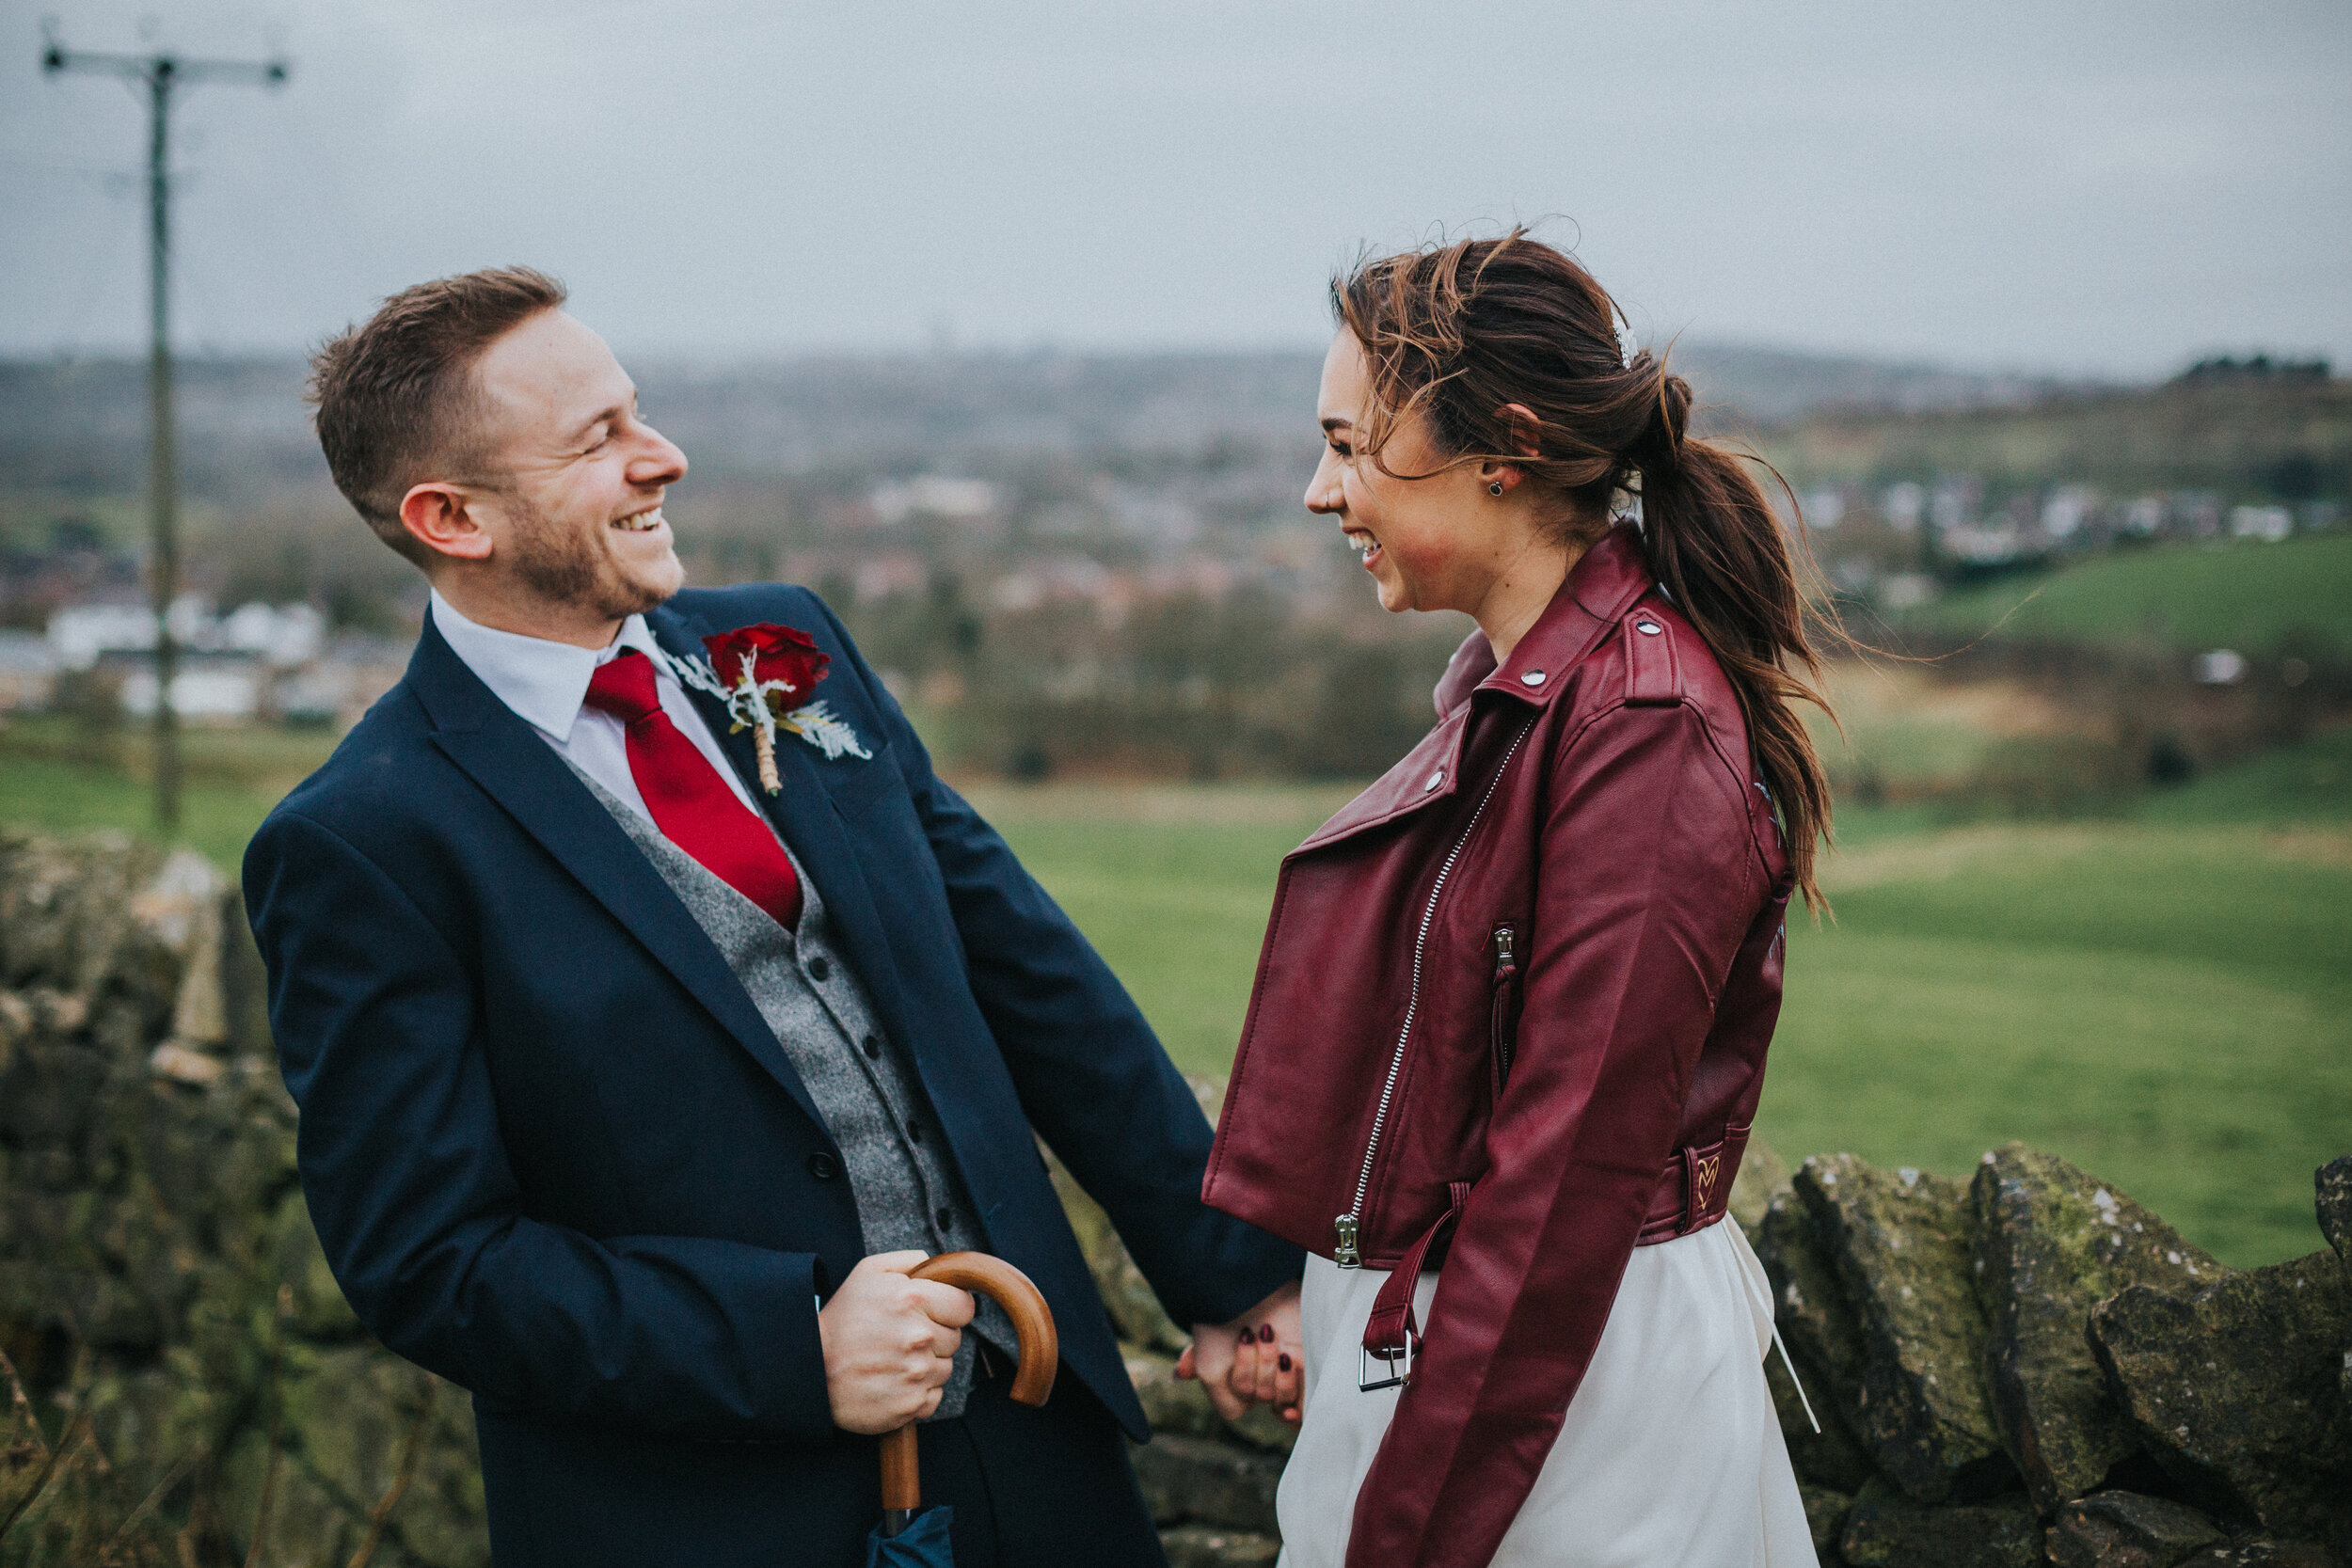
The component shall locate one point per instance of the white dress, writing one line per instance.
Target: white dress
(1670, 1455)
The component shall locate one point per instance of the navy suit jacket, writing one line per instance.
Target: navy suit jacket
(551, 1149)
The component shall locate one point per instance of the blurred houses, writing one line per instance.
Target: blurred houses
(258, 661)
(1101, 560)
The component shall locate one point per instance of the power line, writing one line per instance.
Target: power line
(161, 75)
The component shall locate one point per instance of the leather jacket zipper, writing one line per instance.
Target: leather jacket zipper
(1502, 1030)
(1347, 1226)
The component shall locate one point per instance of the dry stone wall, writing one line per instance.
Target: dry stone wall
(2026, 1367)
(2034, 1368)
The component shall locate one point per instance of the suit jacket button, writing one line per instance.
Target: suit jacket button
(818, 968)
(823, 1166)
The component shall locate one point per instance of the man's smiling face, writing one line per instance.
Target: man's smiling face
(577, 479)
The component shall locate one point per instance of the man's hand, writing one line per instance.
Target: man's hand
(1257, 1358)
(889, 1343)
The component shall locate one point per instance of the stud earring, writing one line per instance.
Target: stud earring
(1496, 488)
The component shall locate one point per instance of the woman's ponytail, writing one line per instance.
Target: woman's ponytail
(1457, 333)
(1721, 556)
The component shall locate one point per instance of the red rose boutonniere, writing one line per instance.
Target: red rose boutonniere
(764, 675)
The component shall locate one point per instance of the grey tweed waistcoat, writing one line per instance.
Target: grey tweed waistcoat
(900, 1172)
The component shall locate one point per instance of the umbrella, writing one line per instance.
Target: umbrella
(910, 1537)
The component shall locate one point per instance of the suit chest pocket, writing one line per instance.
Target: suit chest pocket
(872, 780)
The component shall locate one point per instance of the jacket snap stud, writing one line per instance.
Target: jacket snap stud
(1648, 629)
(1435, 780)
(1533, 677)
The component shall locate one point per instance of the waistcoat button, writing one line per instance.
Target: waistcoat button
(873, 1045)
(823, 1166)
(946, 1219)
(818, 968)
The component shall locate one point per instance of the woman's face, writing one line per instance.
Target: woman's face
(1438, 543)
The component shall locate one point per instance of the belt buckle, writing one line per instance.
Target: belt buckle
(1399, 1362)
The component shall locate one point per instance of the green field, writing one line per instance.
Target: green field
(2251, 596)
(2164, 997)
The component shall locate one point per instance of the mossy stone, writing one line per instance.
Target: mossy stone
(2235, 1390)
(1824, 1339)
(1904, 1246)
(2054, 1241)
(1888, 1529)
(2127, 1530)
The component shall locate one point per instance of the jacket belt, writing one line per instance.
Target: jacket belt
(1695, 1190)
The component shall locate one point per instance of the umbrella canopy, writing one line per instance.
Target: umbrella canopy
(922, 1545)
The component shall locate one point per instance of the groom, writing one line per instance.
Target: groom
(632, 1084)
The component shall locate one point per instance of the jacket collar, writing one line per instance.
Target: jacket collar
(1599, 589)
(1604, 583)
(544, 681)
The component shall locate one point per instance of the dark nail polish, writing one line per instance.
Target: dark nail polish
(1248, 1338)
(1284, 1363)
(1265, 1332)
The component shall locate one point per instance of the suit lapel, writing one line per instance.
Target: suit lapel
(522, 774)
(804, 817)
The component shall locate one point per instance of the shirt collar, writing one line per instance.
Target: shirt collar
(544, 682)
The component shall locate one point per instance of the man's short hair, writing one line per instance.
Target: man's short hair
(396, 398)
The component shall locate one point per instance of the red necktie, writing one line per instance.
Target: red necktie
(690, 802)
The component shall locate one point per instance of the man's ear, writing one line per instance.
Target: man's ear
(441, 518)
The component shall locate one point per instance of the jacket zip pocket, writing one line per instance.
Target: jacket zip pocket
(1502, 1023)
(1347, 1227)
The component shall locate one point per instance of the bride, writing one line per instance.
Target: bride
(1510, 1020)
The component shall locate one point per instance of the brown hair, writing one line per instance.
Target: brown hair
(395, 394)
(1455, 333)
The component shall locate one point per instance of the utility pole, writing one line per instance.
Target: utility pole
(159, 74)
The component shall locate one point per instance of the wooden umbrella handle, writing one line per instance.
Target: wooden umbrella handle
(1041, 1359)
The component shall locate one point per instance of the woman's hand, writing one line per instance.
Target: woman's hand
(1257, 1358)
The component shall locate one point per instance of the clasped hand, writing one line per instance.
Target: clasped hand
(889, 1343)
(1257, 1358)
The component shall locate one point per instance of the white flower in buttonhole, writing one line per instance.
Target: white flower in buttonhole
(764, 674)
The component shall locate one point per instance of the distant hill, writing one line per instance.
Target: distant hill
(81, 426)
(2249, 596)
(2286, 438)
(1738, 386)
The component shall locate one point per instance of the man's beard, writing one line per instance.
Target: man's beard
(558, 564)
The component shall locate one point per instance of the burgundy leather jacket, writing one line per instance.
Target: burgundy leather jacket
(1511, 1012)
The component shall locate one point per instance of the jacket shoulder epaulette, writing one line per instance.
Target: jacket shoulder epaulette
(1653, 668)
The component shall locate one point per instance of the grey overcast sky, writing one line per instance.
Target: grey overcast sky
(2094, 187)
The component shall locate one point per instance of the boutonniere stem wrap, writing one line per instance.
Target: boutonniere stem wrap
(764, 674)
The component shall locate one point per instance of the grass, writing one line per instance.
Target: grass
(2163, 996)
(2169, 1007)
(2249, 596)
(1172, 884)
(53, 778)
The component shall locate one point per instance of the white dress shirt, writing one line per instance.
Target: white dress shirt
(546, 685)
